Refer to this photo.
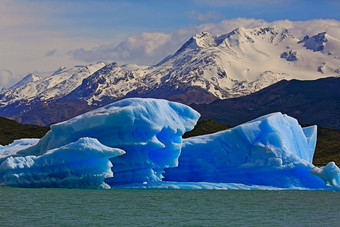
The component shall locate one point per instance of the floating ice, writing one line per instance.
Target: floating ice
(149, 130)
(82, 164)
(330, 174)
(271, 150)
(17, 145)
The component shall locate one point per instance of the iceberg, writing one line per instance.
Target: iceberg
(16, 146)
(13, 148)
(330, 174)
(137, 143)
(82, 164)
(148, 130)
(271, 150)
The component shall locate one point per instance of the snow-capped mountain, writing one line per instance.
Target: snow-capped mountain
(38, 88)
(205, 68)
(247, 60)
(232, 65)
(109, 83)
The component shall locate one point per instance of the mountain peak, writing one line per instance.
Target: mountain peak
(200, 40)
(108, 69)
(112, 65)
(241, 36)
(205, 39)
(59, 70)
(27, 79)
(235, 38)
(316, 42)
(273, 34)
(95, 67)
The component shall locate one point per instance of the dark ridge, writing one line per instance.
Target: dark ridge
(11, 130)
(206, 127)
(311, 102)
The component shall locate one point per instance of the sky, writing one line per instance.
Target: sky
(39, 36)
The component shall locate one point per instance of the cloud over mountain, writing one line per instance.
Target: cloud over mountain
(140, 49)
(149, 48)
(31, 31)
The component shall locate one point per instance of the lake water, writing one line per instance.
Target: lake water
(140, 207)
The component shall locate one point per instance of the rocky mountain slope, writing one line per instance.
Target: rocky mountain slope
(311, 102)
(205, 68)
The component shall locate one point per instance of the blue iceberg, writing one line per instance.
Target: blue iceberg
(148, 130)
(82, 164)
(137, 143)
(16, 146)
(330, 174)
(272, 150)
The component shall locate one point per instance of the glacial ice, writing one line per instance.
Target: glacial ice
(272, 150)
(149, 130)
(330, 174)
(82, 164)
(17, 145)
(137, 143)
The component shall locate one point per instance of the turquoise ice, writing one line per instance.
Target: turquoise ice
(138, 143)
(81, 164)
(148, 130)
(271, 150)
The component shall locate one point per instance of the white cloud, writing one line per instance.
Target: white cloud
(30, 33)
(140, 49)
(6, 78)
(151, 48)
(311, 27)
(28, 39)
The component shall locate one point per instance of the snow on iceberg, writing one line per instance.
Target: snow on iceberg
(271, 150)
(82, 164)
(149, 130)
(16, 146)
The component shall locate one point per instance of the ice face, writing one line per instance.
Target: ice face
(271, 150)
(82, 164)
(149, 130)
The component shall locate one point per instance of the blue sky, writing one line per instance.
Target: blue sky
(41, 35)
(119, 18)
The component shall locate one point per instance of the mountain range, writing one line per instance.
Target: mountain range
(311, 102)
(206, 68)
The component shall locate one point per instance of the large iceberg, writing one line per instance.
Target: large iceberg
(148, 130)
(138, 143)
(271, 150)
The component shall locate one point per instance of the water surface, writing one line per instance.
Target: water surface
(142, 207)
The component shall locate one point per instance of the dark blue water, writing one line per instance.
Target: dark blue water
(138, 207)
